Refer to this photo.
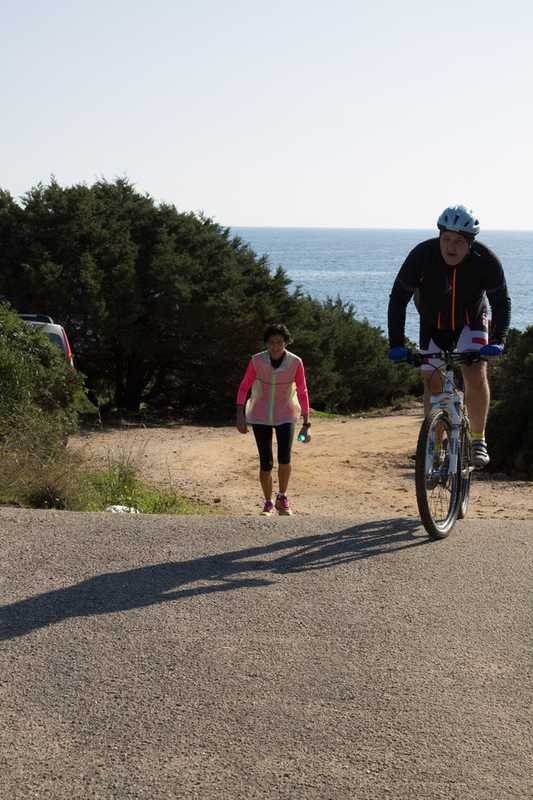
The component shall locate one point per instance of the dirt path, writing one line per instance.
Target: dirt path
(352, 466)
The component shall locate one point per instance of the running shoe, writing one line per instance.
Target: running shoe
(480, 457)
(283, 507)
(268, 510)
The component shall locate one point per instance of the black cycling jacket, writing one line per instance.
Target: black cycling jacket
(449, 297)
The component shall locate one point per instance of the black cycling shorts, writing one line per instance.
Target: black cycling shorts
(284, 437)
(471, 337)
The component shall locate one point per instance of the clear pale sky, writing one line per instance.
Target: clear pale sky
(286, 113)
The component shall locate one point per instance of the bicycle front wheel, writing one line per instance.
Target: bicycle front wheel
(438, 494)
(465, 466)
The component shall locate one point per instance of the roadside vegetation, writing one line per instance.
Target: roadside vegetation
(510, 423)
(164, 309)
(40, 397)
(117, 484)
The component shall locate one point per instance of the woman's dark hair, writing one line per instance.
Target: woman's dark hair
(277, 329)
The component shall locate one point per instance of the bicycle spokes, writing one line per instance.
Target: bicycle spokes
(437, 487)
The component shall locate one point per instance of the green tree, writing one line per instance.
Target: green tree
(165, 307)
(152, 299)
(510, 423)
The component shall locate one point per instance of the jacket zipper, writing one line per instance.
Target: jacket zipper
(272, 398)
(453, 300)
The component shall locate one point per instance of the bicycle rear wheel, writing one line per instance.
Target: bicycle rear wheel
(438, 494)
(466, 470)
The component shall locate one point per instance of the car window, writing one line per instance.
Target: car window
(57, 340)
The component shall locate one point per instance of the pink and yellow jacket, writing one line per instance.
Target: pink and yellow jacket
(278, 395)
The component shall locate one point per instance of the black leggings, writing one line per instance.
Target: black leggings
(263, 437)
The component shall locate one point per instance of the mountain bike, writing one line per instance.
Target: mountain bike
(444, 451)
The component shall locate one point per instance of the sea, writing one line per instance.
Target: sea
(359, 265)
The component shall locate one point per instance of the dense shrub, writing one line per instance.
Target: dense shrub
(510, 422)
(38, 393)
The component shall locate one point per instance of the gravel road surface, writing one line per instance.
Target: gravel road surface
(238, 657)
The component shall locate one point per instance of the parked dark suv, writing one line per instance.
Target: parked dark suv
(55, 333)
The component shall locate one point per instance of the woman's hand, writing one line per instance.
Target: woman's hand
(305, 432)
(242, 426)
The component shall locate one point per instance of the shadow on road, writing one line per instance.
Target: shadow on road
(248, 568)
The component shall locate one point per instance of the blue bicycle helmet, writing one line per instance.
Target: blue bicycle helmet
(459, 219)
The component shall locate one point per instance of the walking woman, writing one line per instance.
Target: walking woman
(279, 395)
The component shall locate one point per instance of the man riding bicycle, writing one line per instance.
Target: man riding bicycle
(451, 278)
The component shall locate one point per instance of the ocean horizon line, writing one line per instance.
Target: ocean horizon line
(341, 228)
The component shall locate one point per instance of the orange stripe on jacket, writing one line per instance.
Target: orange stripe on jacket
(453, 300)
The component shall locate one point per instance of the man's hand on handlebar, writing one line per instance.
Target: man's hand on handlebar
(491, 351)
(398, 354)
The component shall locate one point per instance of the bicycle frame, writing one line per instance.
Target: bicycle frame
(449, 398)
(452, 401)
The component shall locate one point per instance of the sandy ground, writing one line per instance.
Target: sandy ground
(362, 466)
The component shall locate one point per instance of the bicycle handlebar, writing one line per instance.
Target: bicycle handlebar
(470, 357)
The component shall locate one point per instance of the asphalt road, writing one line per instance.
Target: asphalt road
(244, 657)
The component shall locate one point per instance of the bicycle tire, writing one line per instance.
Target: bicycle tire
(438, 494)
(466, 458)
